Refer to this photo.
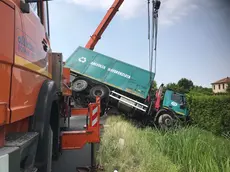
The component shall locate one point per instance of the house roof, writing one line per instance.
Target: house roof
(221, 81)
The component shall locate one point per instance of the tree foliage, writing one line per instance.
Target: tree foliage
(228, 88)
(198, 90)
(185, 84)
(175, 87)
(154, 85)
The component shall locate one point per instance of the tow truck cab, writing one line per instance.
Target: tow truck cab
(25, 67)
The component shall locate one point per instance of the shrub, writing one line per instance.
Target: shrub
(134, 153)
(148, 150)
(194, 149)
(211, 112)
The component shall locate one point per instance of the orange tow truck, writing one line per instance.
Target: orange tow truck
(35, 93)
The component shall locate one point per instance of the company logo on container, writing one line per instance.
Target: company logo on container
(82, 59)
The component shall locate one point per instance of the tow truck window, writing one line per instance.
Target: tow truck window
(34, 8)
(46, 16)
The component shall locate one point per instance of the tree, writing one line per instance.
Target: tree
(172, 86)
(175, 87)
(154, 87)
(199, 90)
(185, 84)
(228, 88)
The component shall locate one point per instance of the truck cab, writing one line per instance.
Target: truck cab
(171, 108)
(176, 102)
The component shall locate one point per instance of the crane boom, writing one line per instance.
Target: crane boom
(103, 25)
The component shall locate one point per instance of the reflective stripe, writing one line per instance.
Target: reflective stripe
(95, 110)
(94, 116)
(30, 65)
(180, 113)
(4, 163)
(94, 122)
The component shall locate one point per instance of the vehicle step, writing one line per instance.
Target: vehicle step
(73, 129)
(27, 143)
(20, 139)
(30, 170)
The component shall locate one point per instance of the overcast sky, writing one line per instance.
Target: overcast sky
(194, 35)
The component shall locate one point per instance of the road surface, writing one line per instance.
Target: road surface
(70, 159)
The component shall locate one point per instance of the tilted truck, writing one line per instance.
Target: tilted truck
(123, 86)
(35, 94)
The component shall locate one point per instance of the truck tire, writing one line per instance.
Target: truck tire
(165, 121)
(40, 122)
(99, 90)
(103, 93)
(50, 150)
(80, 85)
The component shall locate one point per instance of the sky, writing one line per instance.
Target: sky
(193, 35)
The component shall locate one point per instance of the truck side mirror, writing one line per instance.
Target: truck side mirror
(25, 7)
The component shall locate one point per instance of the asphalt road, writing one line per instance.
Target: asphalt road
(70, 159)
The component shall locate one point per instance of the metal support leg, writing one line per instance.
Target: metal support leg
(93, 158)
(93, 167)
(69, 112)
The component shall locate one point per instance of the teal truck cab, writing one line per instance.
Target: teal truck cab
(169, 108)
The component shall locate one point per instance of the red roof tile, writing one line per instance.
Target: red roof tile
(224, 80)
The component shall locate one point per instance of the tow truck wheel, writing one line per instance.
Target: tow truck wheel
(166, 121)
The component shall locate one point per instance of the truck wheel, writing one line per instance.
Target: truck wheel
(99, 90)
(46, 165)
(50, 150)
(166, 121)
(80, 85)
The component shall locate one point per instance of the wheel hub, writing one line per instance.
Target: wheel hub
(98, 92)
(168, 122)
(165, 121)
(80, 85)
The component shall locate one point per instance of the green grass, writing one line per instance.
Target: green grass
(147, 150)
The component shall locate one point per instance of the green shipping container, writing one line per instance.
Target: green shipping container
(110, 71)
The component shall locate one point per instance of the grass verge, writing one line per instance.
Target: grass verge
(128, 149)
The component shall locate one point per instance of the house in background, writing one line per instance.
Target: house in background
(221, 85)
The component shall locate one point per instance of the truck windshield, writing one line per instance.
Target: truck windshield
(176, 98)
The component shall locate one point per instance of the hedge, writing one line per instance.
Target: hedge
(211, 112)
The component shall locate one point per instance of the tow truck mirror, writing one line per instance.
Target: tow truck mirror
(25, 7)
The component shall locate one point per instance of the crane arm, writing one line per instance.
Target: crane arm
(103, 25)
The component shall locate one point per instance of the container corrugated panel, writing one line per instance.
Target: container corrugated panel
(110, 71)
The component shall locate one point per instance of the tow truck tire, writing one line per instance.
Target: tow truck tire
(50, 150)
(80, 85)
